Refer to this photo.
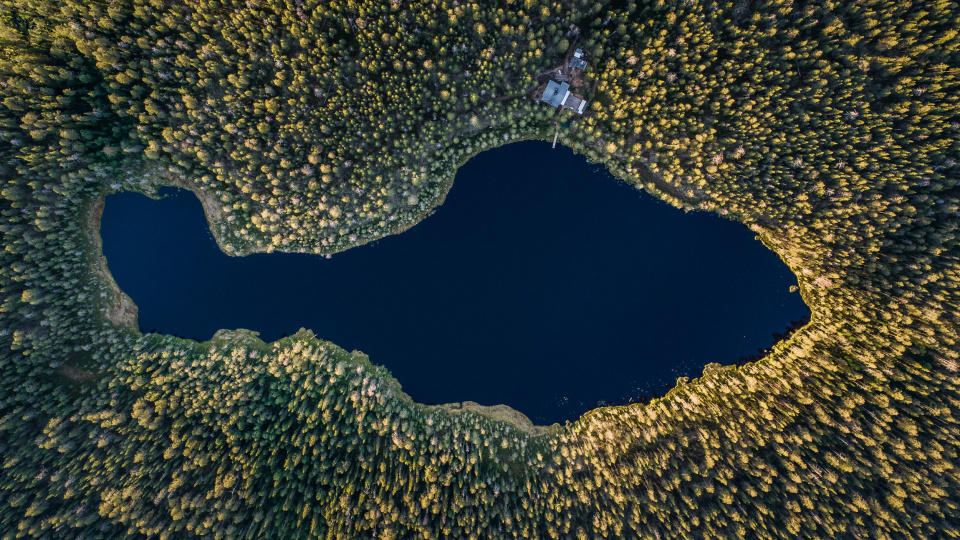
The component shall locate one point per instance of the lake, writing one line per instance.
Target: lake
(542, 283)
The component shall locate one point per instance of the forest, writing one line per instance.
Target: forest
(831, 129)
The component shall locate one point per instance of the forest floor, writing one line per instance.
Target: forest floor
(75, 374)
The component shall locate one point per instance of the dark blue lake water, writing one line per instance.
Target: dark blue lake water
(542, 283)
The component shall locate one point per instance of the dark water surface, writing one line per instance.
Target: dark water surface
(542, 282)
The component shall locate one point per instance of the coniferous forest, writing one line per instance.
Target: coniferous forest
(831, 129)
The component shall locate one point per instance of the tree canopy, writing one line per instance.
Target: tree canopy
(831, 129)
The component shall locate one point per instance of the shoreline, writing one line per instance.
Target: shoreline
(122, 311)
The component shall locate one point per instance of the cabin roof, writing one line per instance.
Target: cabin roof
(577, 62)
(555, 93)
(559, 95)
(573, 103)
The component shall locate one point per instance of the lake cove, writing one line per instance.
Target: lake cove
(541, 283)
